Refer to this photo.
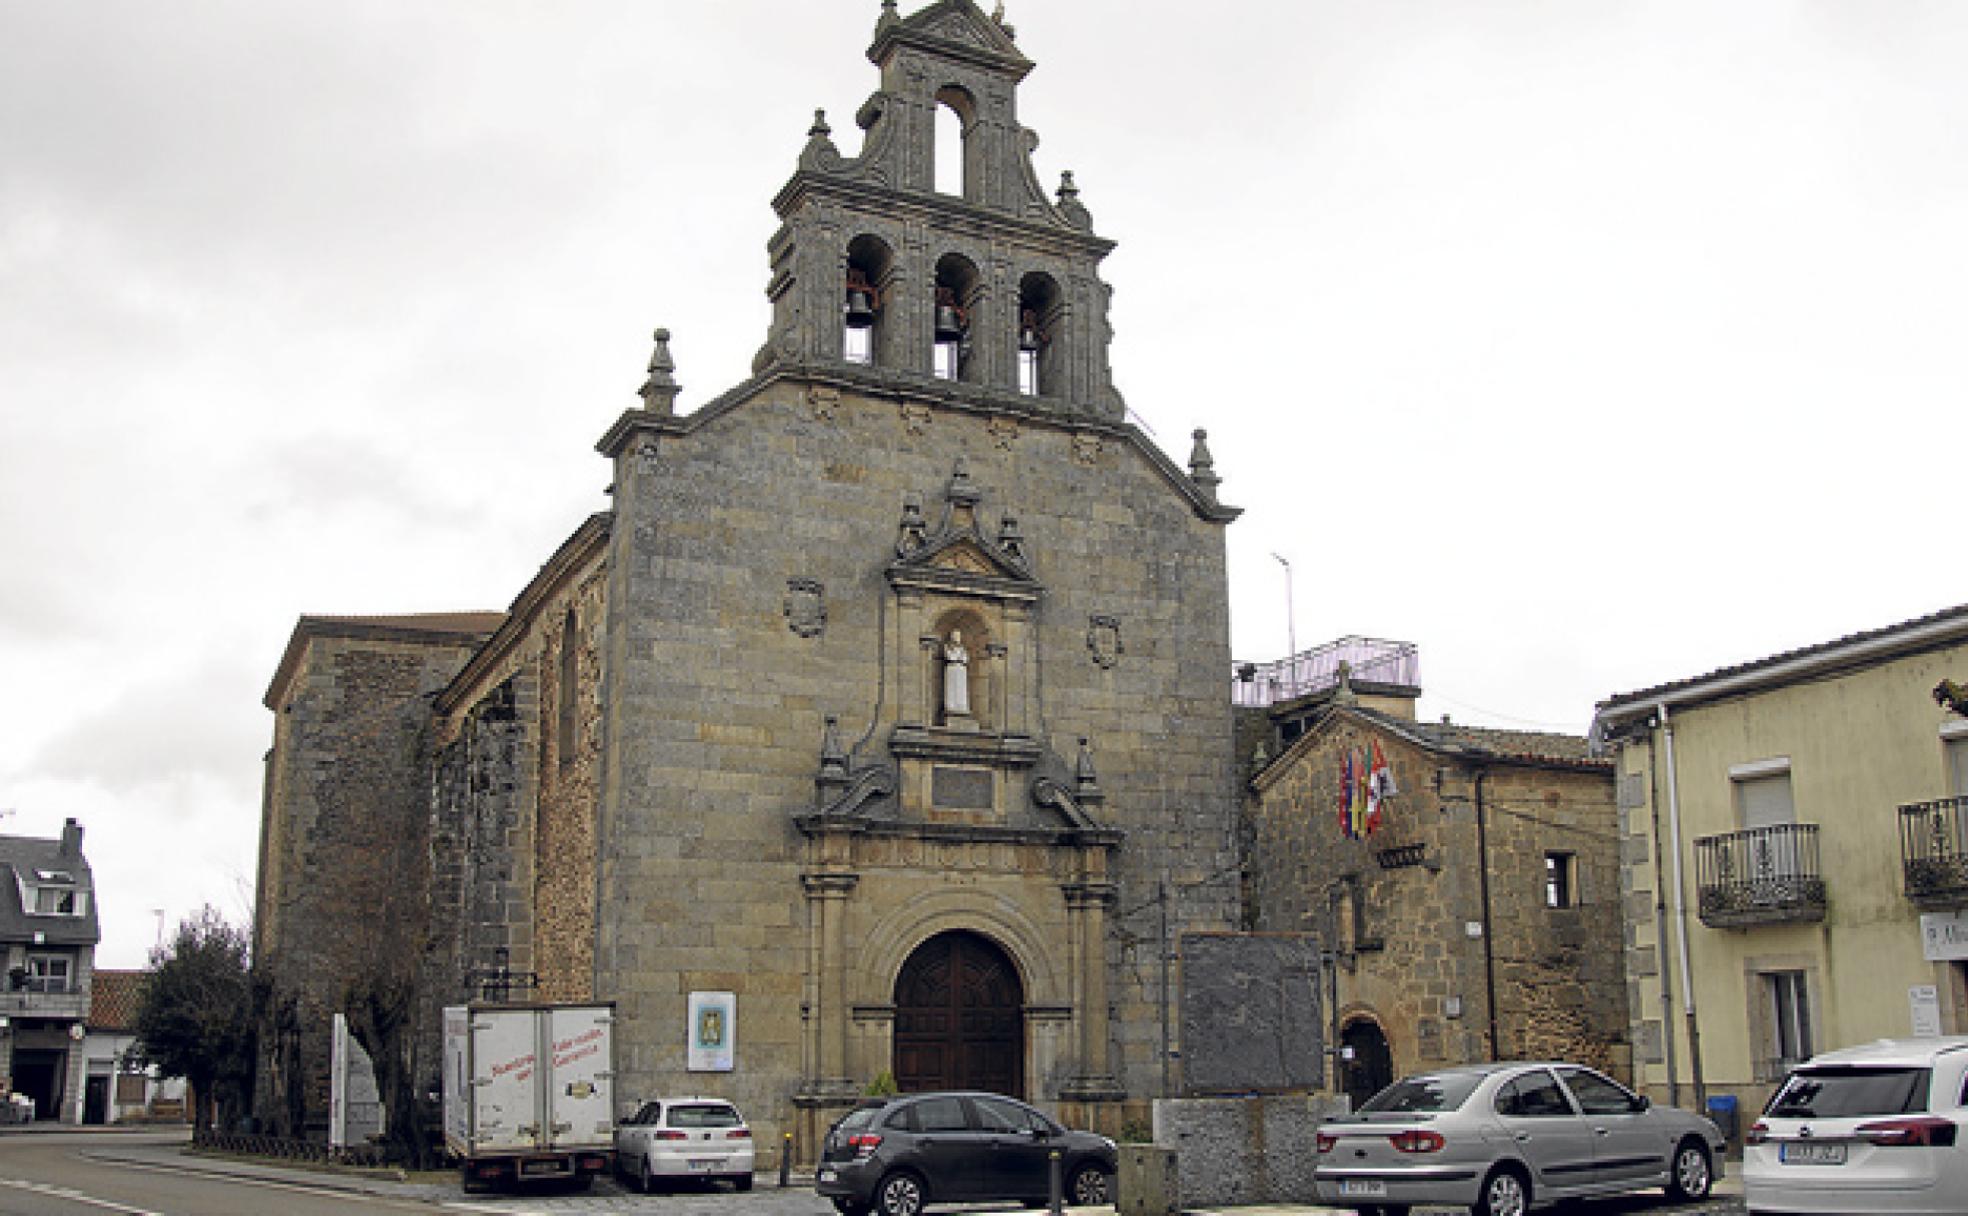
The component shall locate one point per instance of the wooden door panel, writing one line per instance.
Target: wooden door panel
(959, 1018)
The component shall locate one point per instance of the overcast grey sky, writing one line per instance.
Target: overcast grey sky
(1588, 345)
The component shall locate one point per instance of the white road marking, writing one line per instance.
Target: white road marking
(272, 1184)
(75, 1196)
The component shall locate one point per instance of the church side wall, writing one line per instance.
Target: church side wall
(514, 802)
(346, 847)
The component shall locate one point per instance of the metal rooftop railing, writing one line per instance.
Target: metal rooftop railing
(1369, 660)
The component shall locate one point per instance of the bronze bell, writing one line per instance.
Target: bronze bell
(1029, 337)
(860, 309)
(949, 323)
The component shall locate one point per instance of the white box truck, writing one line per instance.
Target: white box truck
(529, 1092)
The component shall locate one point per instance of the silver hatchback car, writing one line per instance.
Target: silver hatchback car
(1501, 1139)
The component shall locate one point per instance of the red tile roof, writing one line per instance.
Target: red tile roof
(113, 1000)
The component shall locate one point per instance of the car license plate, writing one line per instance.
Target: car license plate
(1811, 1154)
(829, 1176)
(1362, 1188)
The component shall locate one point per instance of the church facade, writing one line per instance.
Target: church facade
(886, 709)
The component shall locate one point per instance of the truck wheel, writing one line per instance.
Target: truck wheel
(742, 1181)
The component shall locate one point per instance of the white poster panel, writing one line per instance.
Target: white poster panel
(1944, 936)
(713, 1032)
(1924, 1000)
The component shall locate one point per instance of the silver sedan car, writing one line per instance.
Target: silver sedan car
(1501, 1139)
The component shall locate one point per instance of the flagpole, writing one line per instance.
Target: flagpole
(1291, 628)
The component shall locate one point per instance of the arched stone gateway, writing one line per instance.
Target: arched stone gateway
(1371, 1068)
(959, 1021)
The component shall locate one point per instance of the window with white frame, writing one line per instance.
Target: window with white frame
(1788, 1005)
(1560, 880)
(53, 893)
(49, 972)
(1954, 747)
(1763, 794)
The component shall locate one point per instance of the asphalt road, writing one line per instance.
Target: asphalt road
(47, 1173)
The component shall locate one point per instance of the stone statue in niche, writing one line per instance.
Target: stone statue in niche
(956, 677)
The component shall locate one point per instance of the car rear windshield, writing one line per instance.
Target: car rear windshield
(859, 1117)
(704, 1114)
(1431, 1095)
(1829, 1092)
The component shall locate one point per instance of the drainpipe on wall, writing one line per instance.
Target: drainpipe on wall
(1489, 953)
(1681, 916)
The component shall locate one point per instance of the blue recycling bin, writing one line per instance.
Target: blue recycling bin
(1722, 1113)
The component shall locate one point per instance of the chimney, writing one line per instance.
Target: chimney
(71, 840)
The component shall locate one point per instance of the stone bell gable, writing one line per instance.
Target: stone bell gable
(1016, 271)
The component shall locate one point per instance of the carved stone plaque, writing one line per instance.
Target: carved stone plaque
(961, 789)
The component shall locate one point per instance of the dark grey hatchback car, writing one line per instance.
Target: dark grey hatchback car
(895, 1155)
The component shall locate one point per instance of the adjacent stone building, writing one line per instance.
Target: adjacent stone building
(889, 696)
(1466, 879)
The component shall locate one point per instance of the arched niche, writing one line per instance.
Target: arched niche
(959, 296)
(1042, 337)
(965, 650)
(868, 322)
(953, 156)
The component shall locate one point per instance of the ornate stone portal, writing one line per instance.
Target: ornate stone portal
(955, 784)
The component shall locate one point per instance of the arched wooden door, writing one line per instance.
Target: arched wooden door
(1371, 1068)
(959, 1018)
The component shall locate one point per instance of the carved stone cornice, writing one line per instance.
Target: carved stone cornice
(965, 833)
(956, 747)
(829, 884)
(1089, 894)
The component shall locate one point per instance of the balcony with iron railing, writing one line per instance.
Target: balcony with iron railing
(1368, 660)
(1934, 852)
(1760, 876)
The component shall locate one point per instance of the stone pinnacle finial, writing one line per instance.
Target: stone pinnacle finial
(819, 129)
(1202, 467)
(659, 392)
(963, 491)
(1067, 188)
(888, 16)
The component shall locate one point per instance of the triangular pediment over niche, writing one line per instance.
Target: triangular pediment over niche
(963, 23)
(964, 555)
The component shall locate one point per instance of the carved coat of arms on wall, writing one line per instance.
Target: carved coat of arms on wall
(806, 607)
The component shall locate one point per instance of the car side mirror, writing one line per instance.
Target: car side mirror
(1642, 1102)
